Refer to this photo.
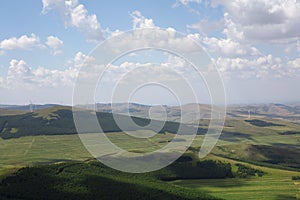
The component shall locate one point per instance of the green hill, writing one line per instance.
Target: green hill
(58, 120)
(93, 180)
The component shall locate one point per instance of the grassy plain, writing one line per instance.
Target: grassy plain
(275, 184)
(267, 147)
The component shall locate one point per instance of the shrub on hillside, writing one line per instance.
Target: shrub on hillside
(207, 169)
(246, 171)
(294, 178)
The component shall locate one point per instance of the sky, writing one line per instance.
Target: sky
(255, 45)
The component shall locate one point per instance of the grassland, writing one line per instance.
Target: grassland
(275, 184)
(43, 149)
(27, 151)
(32, 150)
(277, 188)
(90, 180)
(262, 145)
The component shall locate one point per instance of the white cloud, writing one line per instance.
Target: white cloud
(173, 72)
(249, 68)
(228, 47)
(23, 42)
(76, 15)
(88, 24)
(186, 2)
(55, 44)
(50, 4)
(79, 60)
(276, 21)
(292, 48)
(24, 83)
(155, 35)
(161, 38)
(21, 75)
(165, 71)
(139, 21)
(249, 25)
(294, 64)
(232, 30)
(207, 26)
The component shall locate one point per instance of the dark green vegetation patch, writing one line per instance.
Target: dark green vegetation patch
(246, 171)
(59, 121)
(295, 178)
(261, 123)
(290, 133)
(207, 169)
(92, 180)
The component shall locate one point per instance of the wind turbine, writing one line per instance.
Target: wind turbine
(31, 106)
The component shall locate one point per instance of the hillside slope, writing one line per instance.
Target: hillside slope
(58, 120)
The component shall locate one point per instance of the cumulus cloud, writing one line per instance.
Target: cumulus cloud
(55, 44)
(249, 68)
(21, 75)
(247, 26)
(154, 36)
(25, 83)
(292, 48)
(294, 64)
(162, 70)
(139, 21)
(79, 60)
(76, 15)
(235, 55)
(275, 21)
(206, 26)
(23, 42)
(228, 47)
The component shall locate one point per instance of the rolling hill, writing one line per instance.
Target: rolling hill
(266, 145)
(59, 120)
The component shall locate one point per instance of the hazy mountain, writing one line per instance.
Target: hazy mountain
(174, 113)
(28, 107)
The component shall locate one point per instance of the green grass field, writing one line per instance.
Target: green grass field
(32, 150)
(27, 151)
(262, 188)
(275, 184)
(262, 142)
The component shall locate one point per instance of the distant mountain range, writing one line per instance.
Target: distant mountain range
(174, 113)
(291, 111)
(272, 110)
(28, 107)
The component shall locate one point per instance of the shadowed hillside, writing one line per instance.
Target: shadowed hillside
(93, 180)
(59, 120)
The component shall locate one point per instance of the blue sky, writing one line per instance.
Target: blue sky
(255, 44)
